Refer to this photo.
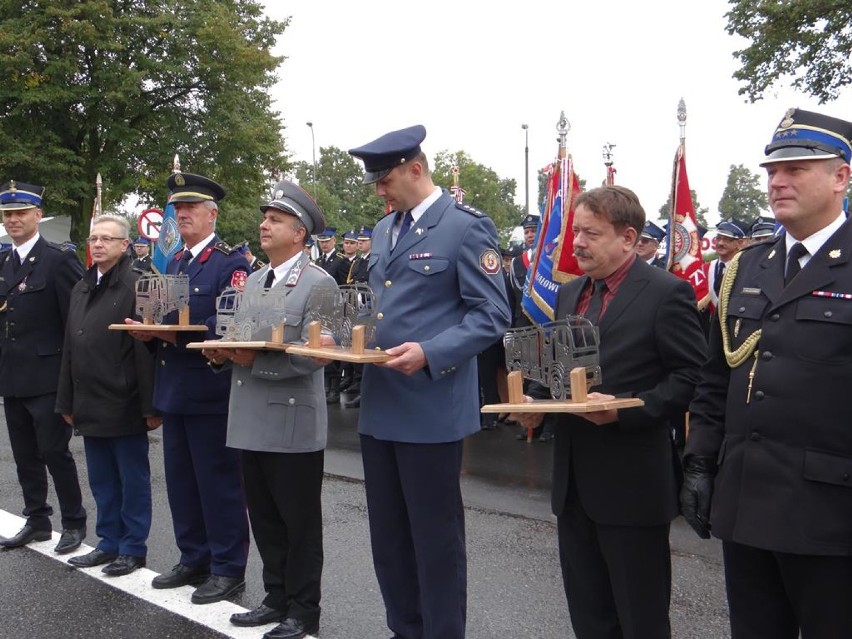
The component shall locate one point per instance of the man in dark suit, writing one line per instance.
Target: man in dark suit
(36, 278)
(768, 460)
(440, 300)
(142, 250)
(615, 473)
(202, 475)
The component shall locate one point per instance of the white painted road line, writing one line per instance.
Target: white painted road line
(138, 584)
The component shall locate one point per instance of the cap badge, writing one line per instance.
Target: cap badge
(788, 119)
(12, 186)
(279, 194)
(179, 181)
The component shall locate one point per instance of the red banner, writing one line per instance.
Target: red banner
(684, 257)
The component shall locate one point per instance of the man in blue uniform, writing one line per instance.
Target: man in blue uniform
(768, 460)
(440, 299)
(36, 278)
(202, 475)
(649, 244)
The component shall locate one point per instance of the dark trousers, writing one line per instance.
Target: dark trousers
(772, 595)
(39, 439)
(205, 487)
(417, 532)
(283, 491)
(617, 578)
(120, 479)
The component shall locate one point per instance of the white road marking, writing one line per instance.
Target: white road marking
(138, 584)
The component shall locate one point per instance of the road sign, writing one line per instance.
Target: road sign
(149, 223)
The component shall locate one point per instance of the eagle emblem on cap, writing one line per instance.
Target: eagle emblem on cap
(788, 119)
(12, 186)
(279, 194)
(179, 181)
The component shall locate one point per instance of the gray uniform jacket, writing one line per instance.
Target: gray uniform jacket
(278, 405)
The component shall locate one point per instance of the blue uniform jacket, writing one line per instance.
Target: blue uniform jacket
(185, 384)
(442, 286)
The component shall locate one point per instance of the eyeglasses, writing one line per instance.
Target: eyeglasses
(106, 239)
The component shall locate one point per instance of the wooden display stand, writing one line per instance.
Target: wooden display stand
(276, 343)
(355, 354)
(578, 403)
(182, 325)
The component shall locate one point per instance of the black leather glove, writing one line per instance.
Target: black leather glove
(698, 475)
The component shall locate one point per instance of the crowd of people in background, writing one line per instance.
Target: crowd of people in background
(761, 370)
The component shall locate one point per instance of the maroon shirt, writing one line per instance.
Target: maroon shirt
(612, 284)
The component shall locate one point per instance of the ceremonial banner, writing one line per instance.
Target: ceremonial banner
(553, 260)
(169, 240)
(683, 245)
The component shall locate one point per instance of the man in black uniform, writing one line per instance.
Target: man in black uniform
(768, 460)
(330, 260)
(350, 254)
(520, 266)
(36, 278)
(142, 249)
(649, 244)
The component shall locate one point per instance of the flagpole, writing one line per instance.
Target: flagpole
(608, 162)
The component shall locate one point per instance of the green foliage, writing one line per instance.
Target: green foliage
(744, 197)
(808, 41)
(346, 202)
(485, 190)
(700, 212)
(119, 86)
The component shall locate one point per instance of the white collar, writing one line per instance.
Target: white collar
(196, 249)
(25, 248)
(814, 242)
(418, 211)
(282, 269)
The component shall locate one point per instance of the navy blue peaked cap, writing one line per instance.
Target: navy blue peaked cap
(18, 196)
(805, 135)
(384, 154)
(188, 187)
(653, 231)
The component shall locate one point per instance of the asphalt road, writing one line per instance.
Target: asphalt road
(515, 589)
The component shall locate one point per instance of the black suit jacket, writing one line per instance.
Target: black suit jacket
(651, 347)
(33, 309)
(784, 453)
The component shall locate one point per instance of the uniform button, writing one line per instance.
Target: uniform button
(195, 290)
(775, 317)
(387, 283)
(759, 395)
(80, 332)
(742, 309)
(239, 382)
(13, 339)
(292, 401)
(766, 356)
(845, 477)
(426, 268)
(162, 362)
(755, 437)
(827, 313)
(165, 344)
(380, 315)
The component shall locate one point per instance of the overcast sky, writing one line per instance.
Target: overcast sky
(473, 71)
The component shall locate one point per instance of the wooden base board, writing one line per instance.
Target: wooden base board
(251, 346)
(157, 328)
(338, 353)
(556, 406)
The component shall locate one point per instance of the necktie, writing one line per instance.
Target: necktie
(593, 313)
(406, 225)
(270, 278)
(16, 260)
(793, 267)
(717, 281)
(184, 261)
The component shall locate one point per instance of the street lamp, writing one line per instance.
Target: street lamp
(526, 129)
(314, 153)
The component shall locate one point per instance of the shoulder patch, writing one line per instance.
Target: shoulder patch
(489, 261)
(238, 279)
(467, 208)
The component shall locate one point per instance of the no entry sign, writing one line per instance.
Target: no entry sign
(149, 223)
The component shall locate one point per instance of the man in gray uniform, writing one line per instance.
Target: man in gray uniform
(278, 418)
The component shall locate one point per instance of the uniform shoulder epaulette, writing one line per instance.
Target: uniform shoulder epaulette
(469, 209)
(340, 254)
(764, 243)
(62, 248)
(224, 247)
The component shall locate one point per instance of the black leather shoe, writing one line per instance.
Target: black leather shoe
(292, 629)
(217, 588)
(181, 575)
(260, 616)
(70, 540)
(124, 565)
(90, 559)
(26, 535)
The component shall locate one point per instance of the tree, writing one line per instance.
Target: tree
(743, 198)
(809, 41)
(119, 86)
(485, 190)
(346, 202)
(700, 212)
